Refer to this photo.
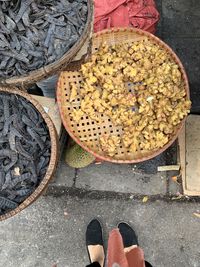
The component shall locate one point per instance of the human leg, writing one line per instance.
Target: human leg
(116, 255)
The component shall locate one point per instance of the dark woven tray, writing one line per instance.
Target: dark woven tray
(54, 154)
(32, 77)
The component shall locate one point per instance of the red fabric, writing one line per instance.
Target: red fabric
(116, 250)
(140, 14)
(135, 258)
(118, 258)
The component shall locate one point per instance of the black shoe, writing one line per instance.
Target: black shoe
(94, 235)
(128, 235)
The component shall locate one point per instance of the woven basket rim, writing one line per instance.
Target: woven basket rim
(179, 128)
(36, 75)
(54, 153)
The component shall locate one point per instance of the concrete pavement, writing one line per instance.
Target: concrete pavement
(52, 231)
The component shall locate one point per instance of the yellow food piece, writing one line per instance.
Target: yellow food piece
(77, 114)
(145, 199)
(140, 88)
(109, 144)
(73, 92)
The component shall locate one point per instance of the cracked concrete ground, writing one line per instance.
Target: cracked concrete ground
(53, 229)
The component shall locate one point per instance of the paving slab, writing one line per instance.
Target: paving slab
(174, 183)
(188, 51)
(159, 26)
(52, 231)
(64, 175)
(181, 18)
(195, 96)
(120, 178)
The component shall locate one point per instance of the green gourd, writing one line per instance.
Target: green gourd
(77, 157)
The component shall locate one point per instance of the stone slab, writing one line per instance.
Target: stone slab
(64, 175)
(195, 97)
(181, 18)
(159, 26)
(188, 51)
(120, 178)
(174, 187)
(53, 231)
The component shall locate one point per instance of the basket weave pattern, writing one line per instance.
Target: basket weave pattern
(54, 154)
(87, 132)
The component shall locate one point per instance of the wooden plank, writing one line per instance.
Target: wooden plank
(182, 158)
(168, 168)
(193, 154)
(189, 148)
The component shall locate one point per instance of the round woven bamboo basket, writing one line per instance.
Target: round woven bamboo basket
(87, 132)
(24, 81)
(54, 153)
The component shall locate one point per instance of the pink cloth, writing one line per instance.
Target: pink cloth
(140, 14)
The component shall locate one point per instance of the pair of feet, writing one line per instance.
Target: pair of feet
(95, 244)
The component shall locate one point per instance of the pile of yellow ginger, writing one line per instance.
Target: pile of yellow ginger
(140, 88)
